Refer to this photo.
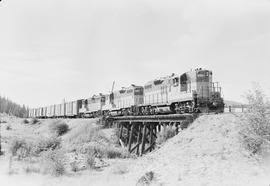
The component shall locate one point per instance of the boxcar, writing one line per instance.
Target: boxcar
(72, 108)
(44, 112)
(62, 109)
(51, 111)
(58, 110)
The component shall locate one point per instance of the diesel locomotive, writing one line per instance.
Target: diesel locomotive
(190, 92)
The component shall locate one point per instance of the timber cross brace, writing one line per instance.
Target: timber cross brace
(139, 133)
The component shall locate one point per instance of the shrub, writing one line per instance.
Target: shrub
(8, 127)
(85, 134)
(165, 134)
(146, 179)
(54, 161)
(74, 166)
(33, 121)
(107, 151)
(256, 131)
(20, 148)
(25, 121)
(90, 160)
(31, 169)
(59, 127)
(46, 145)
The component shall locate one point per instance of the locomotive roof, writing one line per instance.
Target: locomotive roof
(174, 75)
(162, 79)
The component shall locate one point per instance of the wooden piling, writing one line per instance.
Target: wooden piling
(143, 138)
(138, 139)
(130, 137)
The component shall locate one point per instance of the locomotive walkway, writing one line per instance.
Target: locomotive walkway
(139, 133)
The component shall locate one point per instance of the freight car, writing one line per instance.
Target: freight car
(190, 92)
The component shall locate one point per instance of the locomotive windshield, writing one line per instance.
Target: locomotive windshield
(138, 91)
(203, 76)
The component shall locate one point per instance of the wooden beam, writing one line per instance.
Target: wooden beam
(143, 138)
(121, 130)
(130, 137)
(139, 138)
(151, 137)
(121, 143)
(176, 128)
(150, 147)
(128, 131)
(133, 148)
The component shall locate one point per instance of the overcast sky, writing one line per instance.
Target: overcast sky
(56, 49)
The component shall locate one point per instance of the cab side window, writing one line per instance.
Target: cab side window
(183, 82)
(176, 81)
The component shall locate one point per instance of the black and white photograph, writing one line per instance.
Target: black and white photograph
(135, 93)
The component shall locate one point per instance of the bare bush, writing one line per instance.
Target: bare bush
(59, 127)
(256, 132)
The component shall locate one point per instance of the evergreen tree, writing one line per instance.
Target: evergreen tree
(9, 107)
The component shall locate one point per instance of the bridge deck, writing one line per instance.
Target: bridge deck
(153, 118)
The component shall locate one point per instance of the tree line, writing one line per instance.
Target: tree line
(9, 107)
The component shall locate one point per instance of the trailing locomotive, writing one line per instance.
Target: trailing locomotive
(191, 92)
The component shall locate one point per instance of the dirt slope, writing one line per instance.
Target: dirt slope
(209, 152)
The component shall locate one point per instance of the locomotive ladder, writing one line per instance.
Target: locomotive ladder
(139, 133)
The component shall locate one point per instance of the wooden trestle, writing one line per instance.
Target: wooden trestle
(139, 133)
